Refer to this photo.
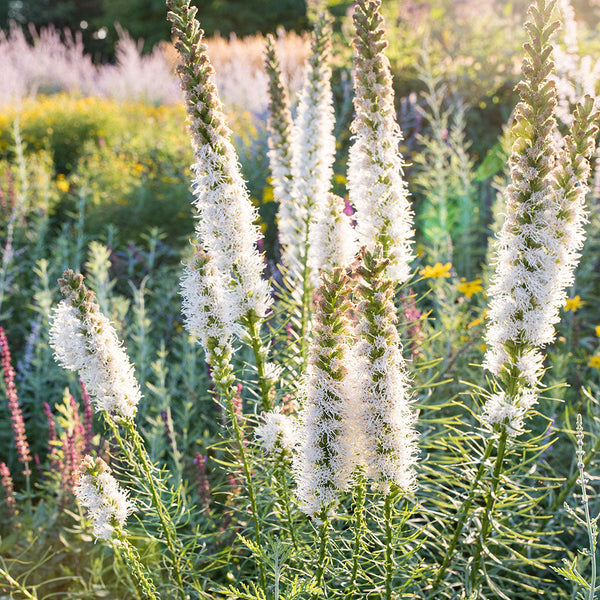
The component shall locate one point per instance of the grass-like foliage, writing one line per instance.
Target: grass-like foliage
(343, 416)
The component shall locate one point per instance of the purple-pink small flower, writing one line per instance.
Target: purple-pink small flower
(16, 416)
(9, 491)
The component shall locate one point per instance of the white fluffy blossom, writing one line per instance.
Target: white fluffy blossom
(500, 409)
(204, 309)
(226, 219)
(227, 230)
(87, 343)
(376, 183)
(313, 153)
(539, 245)
(277, 431)
(388, 444)
(325, 459)
(107, 504)
(334, 240)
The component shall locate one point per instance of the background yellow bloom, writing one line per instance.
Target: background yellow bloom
(435, 271)
(573, 303)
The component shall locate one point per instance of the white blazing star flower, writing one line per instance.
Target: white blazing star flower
(388, 444)
(226, 219)
(376, 182)
(278, 431)
(502, 410)
(107, 504)
(313, 145)
(84, 340)
(325, 459)
(203, 306)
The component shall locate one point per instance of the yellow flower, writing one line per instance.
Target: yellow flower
(268, 194)
(573, 303)
(598, 330)
(62, 183)
(438, 270)
(594, 361)
(474, 323)
(468, 288)
(341, 179)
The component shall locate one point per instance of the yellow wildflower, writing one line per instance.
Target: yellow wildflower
(598, 330)
(438, 270)
(62, 183)
(474, 323)
(468, 288)
(573, 303)
(268, 193)
(594, 361)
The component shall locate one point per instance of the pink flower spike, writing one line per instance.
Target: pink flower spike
(16, 416)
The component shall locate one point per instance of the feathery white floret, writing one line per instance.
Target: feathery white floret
(204, 307)
(387, 419)
(313, 145)
(325, 460)
(88, 344)
(376, 182)
(500, 409)
(278, 431)
(334, 239)
(226, 219)
(107, 504)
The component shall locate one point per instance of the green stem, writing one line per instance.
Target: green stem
(248, 475)
(167, 525)
(239, 438)
(464, 513)
(28, 491)
(591, 538)
(389, 549)
(490, 500)
(361, 493)
(264, 384)
(133, 560)
(323, 541)
(285, 496)
(570, 484)
(306, 297)
(15, 584)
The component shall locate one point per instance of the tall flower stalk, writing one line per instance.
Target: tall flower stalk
(325, 460)
(386, 419)
(538, 247)
(313, 155)
(84, 341)
(280, 127)
(536, 253)
(223, 289)
(230, 267)
(376, 183)
(16, 415)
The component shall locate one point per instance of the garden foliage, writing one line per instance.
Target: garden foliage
(333, 389)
